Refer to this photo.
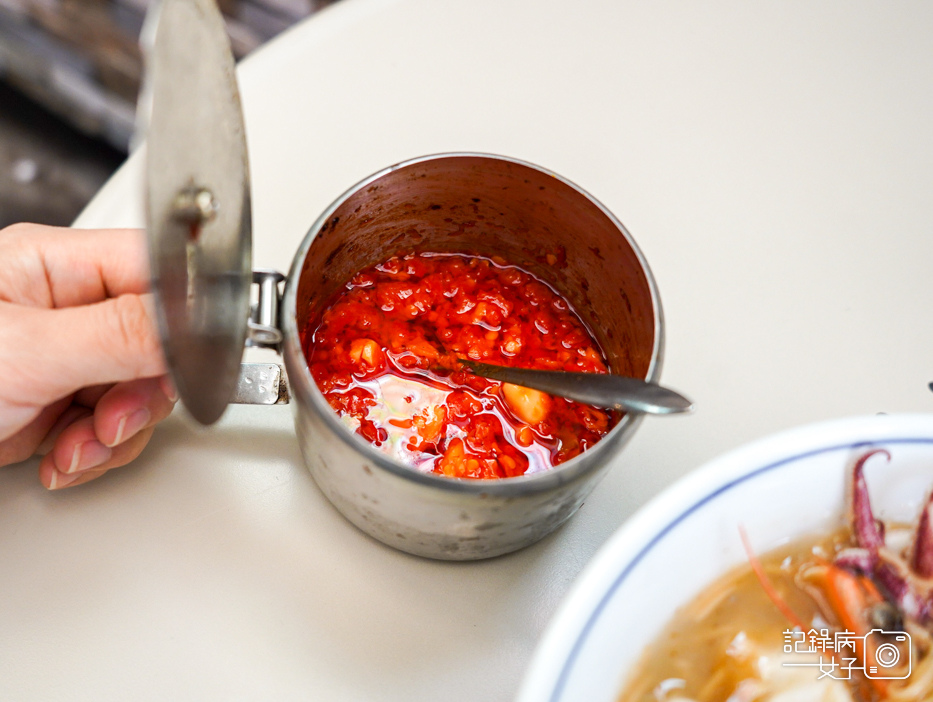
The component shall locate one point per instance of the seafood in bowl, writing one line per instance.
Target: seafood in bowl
(853, 606)
(676, 607)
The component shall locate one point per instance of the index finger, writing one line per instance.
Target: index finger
(62, 267)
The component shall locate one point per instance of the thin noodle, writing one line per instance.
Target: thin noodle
(712, 685)
(707, 602)
(916, 688)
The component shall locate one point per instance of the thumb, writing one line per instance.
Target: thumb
(105, 342)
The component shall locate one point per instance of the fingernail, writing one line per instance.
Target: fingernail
(60, 480)
(88, 455)
(130, 424)
(168, 387)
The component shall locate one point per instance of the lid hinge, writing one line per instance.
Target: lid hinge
(263, 328)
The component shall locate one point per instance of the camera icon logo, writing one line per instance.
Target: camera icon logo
(887, 655)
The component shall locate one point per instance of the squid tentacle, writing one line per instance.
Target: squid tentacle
(869, 532)
(893, 580)
(856, 559)
(921, 561)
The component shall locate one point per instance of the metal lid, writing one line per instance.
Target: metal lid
(197, 202)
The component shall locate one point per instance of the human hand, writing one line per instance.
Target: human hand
(83, 371)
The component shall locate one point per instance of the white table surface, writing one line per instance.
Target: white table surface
(773, 160)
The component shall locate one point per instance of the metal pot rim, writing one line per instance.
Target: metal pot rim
(307, 392)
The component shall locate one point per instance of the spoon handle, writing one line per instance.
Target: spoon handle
(612, 391)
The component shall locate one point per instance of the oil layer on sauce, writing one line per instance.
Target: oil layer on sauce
(384, 353)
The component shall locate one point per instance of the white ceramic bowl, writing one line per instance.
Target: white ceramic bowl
(779, 488)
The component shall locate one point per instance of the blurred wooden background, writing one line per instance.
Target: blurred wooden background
(69, 76)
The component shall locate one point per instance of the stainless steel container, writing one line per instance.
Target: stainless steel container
(488, 205)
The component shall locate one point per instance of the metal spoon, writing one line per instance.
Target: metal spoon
(611, 391)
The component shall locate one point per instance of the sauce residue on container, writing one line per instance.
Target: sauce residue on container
(384, 353)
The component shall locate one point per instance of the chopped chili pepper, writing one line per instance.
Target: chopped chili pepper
(385, 354)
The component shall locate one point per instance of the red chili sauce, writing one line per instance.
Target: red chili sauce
(384, 353)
